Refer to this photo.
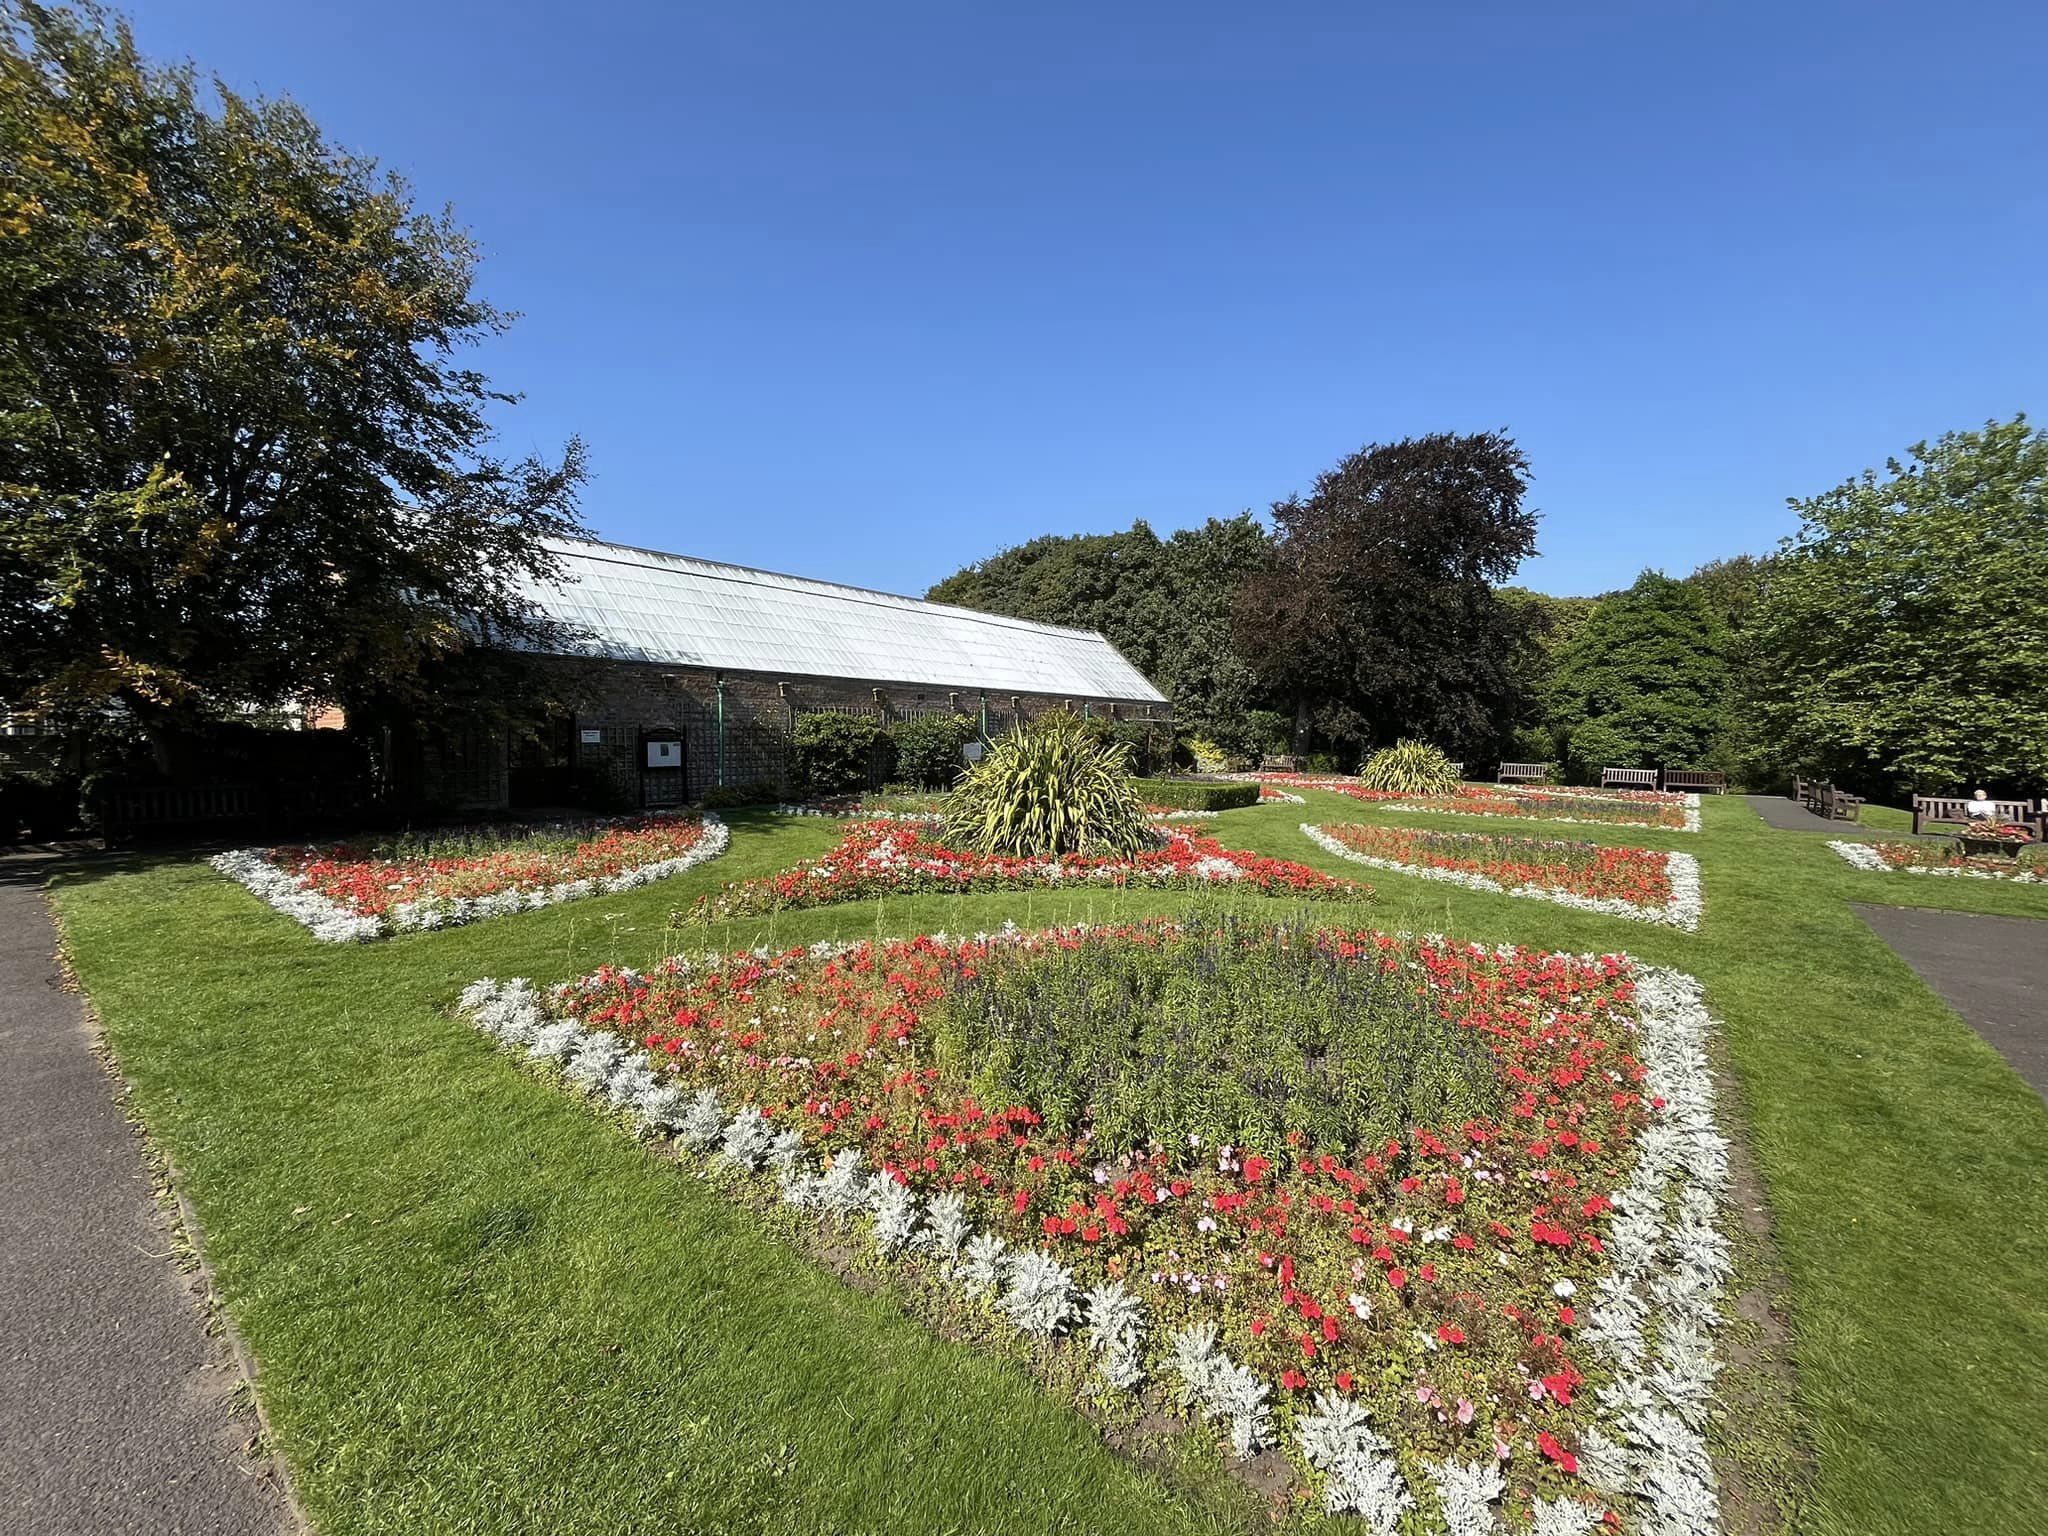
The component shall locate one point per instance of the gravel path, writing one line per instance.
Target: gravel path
(116, 1413)
(1791, 816)
(1991, 970)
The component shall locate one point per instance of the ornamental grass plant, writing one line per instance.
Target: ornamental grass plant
(1047, 789)
(1410, 768)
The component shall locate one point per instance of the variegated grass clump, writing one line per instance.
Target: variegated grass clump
(1047, 789)
(1410, 768)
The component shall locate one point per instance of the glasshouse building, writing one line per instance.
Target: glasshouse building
(697, 671)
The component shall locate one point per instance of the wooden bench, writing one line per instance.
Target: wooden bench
(1628, 778)
(1832, 804)
(1280, 764)
(1695, 781)
(1947, 810)
(1524, 773)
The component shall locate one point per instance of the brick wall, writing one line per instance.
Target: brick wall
(630, 699)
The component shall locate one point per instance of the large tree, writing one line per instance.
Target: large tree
(1376, 615)
(1543, 626)
(1165, 603)
(1902, 634)
(241, 459)
(1644, 682)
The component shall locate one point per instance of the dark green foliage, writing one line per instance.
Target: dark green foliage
(38, 804)
(753, 792)
(1902, 635)
(928, 749)
(1220, 1033)
(1195, 795)
(242, 458)
(1409, 768)
(1164, 603)
(1268, 732)
(1378, 604)
(1644, 683)
(1047, 789)
(833, 754)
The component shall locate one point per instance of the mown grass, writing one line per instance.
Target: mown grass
(478, 1308)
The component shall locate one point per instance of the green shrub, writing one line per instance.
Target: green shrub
(1204, 755)
(831, 754)
(1596, 744)
(928, 750)
(1195, 794)
(41, 805)
(1232, 1030)
(753, 792)
(1322, 762)
(1271, 733)
(1409, 768)
(1047, 789)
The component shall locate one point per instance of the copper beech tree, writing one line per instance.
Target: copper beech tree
(1376, 611)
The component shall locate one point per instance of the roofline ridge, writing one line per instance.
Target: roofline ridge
(979, 614)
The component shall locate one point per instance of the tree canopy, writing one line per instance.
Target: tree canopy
(1902, 635)
(1165, 603)
(240, 457)
(1376, 611)
(1644, 681)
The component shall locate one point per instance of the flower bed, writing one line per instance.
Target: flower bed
(1937, 859)
(878, 858)
(1641, 883)
(1511, 1305)
(1647, 808)
(1336, 784)
(350, 892)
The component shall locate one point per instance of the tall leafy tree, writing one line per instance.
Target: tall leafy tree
(241, 458)
(1377, 614)
(1644, 681)
(1902, 636)
(1165, 603)
(1543, 626)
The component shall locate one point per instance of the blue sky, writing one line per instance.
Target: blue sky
(868, 292)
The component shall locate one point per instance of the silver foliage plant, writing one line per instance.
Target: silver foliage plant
(1222, 1389)
(895, 1208)
(1039, 1294)
(1116, 1331)
(1362, 1476)
(981, 1269)
(1465, 1491)
(747, 1140)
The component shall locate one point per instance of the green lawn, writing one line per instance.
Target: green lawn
(477, 1307)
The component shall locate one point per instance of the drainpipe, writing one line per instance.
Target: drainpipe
(984, 717)
(721, 730)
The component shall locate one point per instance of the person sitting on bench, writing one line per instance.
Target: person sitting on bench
(1981, 808)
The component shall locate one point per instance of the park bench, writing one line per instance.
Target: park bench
(1955, 810)
(1628, 778)
(1524, 773)
(1695, 781)
(1280, 763)
(1832, 804)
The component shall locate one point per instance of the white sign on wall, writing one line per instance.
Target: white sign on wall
(593, 736)
(664, 754)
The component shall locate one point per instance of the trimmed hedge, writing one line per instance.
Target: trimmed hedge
(1196, 794)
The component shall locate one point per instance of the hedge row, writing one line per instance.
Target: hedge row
(1196, 794)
